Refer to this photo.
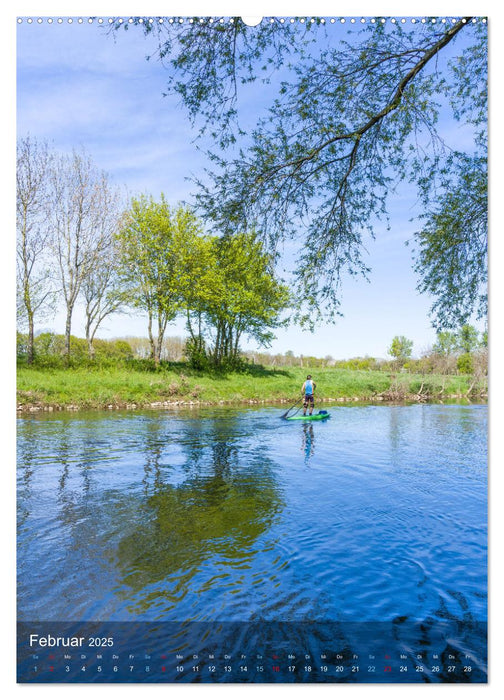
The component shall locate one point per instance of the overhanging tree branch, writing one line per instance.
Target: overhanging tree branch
(350, 120)
(394, 103)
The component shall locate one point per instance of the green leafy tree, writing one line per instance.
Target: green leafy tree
(198, 261)
(250, 299)
(465, 363)
(151, 239)
(401, 348)
(237, 295)
(348, 121)
(468, 339)
(446, 343)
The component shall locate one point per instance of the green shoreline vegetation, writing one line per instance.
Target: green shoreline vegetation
(127, 382)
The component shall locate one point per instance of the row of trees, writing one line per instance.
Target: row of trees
(225, 288)
(466, 352)
(348, 121)
(67, 218)
(452, 351)
(76, 241)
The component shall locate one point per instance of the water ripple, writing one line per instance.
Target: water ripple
(377, 514)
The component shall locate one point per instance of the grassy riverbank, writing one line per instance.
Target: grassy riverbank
(81, 388)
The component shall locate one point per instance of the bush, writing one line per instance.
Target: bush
(357, 363)
(21, 345)
(49, 351)
(116, 350)
(465, 363)
(49, 344)
(196, 354)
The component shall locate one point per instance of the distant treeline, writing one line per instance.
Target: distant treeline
(443, 358)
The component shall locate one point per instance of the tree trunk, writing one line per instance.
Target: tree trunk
(236, 348)
(162, 322)
(89, 338)
(91, 349)
(151, 340)
(31, 340)
(30, 351)
(157, 356)
(217, 349)
(68, 327)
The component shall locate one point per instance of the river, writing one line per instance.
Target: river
(377, 515)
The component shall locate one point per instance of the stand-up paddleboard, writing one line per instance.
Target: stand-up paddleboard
(321, 415)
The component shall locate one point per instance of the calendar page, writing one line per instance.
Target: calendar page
(252, 349)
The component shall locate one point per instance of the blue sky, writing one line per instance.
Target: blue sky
(78, 87)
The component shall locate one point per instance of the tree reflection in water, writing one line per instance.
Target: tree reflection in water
(225, 503)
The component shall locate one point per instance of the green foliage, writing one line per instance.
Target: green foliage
(401, 348)
(465, 363)
(151, 240)
(468, 339)
(362, 363)
(50, 348)
(112, 350)
(195, 352)
(464, 350)
(21, 345)
(446, 343)
(237, 294)
(225, 287)
(452, 245)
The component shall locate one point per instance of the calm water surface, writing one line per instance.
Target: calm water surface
(235, 515)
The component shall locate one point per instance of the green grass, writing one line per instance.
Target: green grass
(98, 388)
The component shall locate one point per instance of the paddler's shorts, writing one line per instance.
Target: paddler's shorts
(308, 399)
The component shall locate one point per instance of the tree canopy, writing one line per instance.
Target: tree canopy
(150, 241)
(238, 295)
(349, 119)
(225, 287)
(401, 348)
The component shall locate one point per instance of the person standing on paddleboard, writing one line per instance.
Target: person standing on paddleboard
(308, 391)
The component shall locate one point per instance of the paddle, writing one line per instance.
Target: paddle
(290, 409)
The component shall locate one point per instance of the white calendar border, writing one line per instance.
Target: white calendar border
(358, 8)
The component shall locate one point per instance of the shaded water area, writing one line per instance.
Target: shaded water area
(377, 515)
